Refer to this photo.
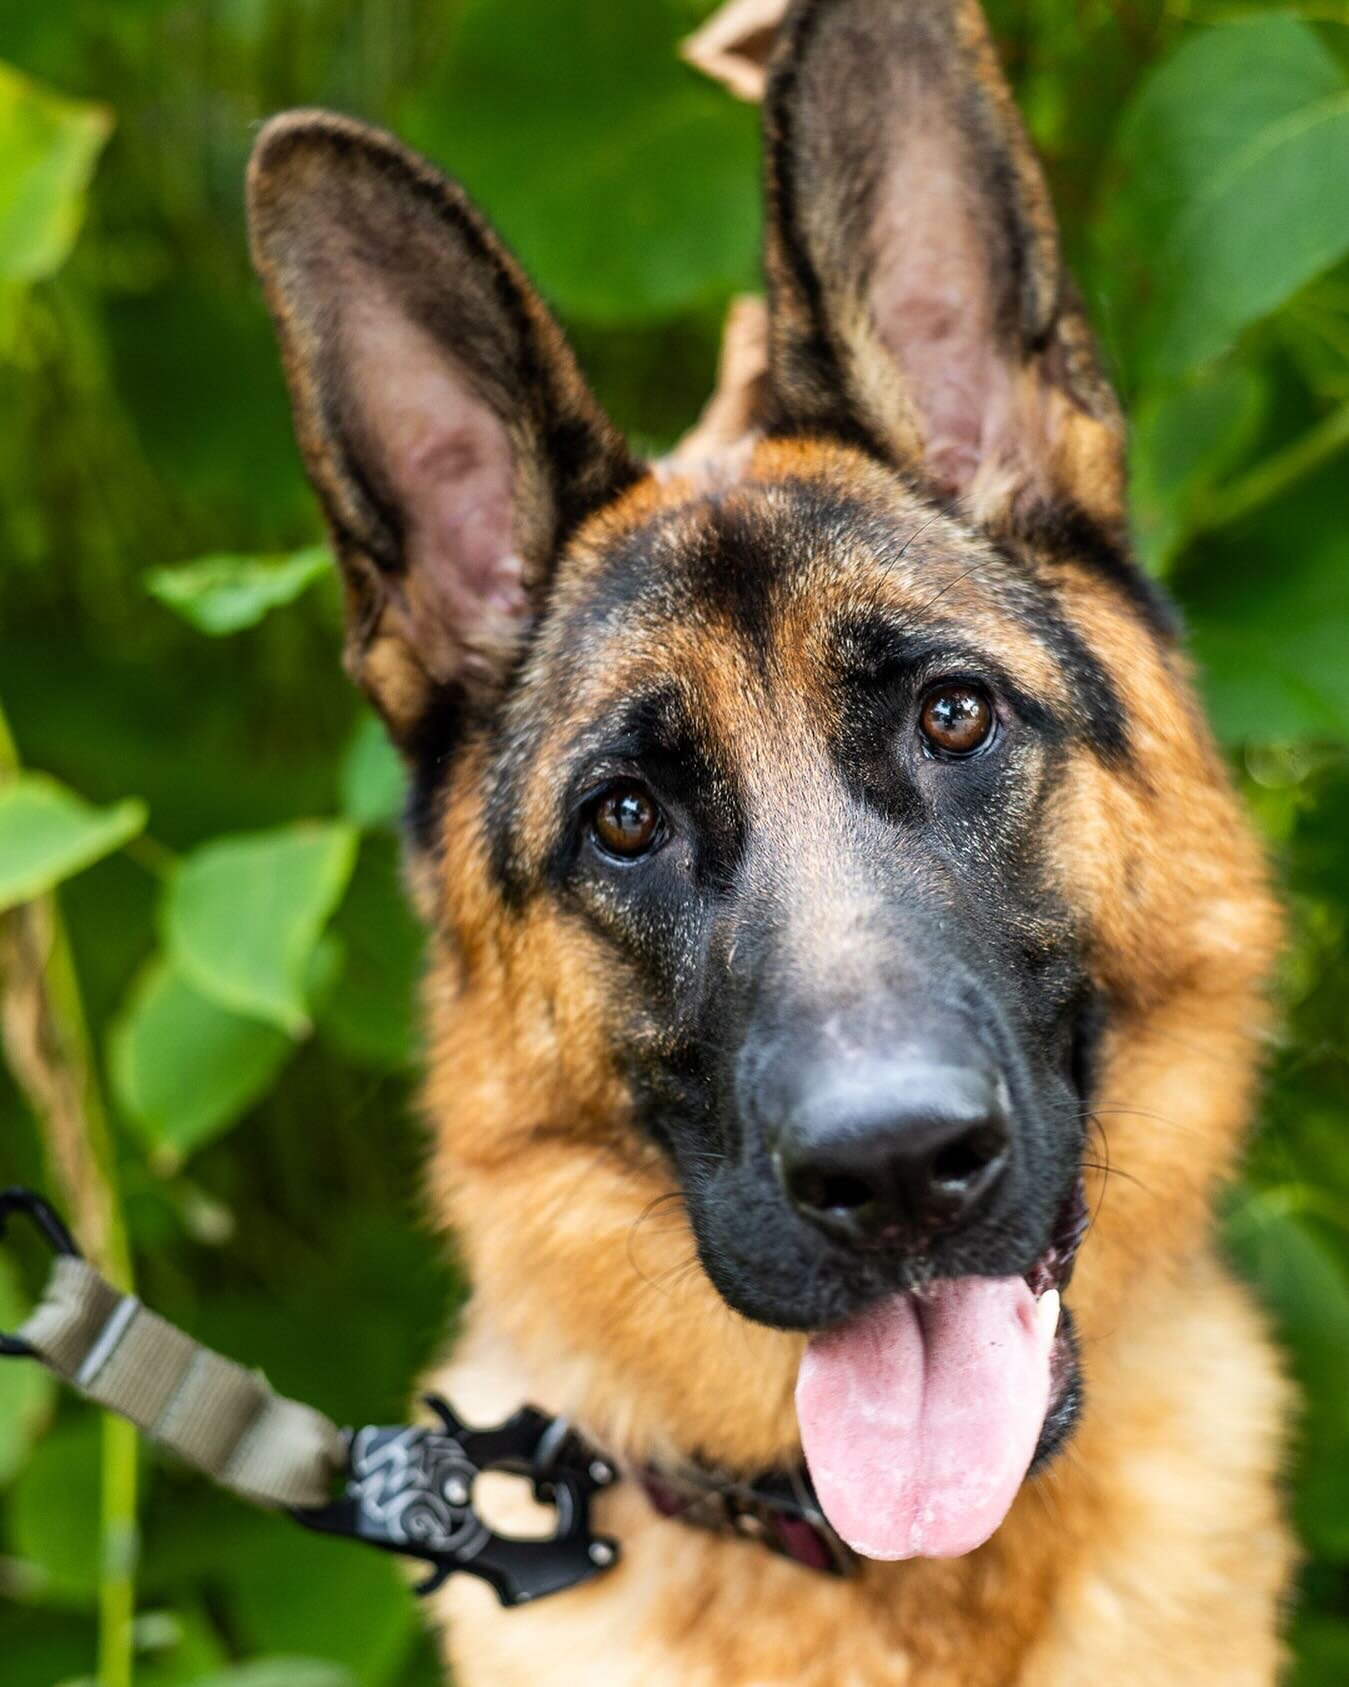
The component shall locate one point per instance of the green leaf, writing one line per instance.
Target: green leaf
(1268, 608)
(244, 914)
(373, 779)
(48, 148)
(224, 594)
(1322, 1648)
(47, 833)
(1183, 438)
(319, 1598)
(1235, 186)
(1305, 1283)
(176, 1647)
(626, 181)
(184, 1068)
(26, 1391)
(42, 1647)
(280, 1672)
(372, 1014)
(53, 1512)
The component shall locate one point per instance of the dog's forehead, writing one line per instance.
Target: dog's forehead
(713, 621)
(698, 572)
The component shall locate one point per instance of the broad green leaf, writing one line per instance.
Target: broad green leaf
(177, 1646)
(1305, 1283)
(373, 779)
(626, 180)
(224, 594)
(319, 1598)
(48, 148)
(47, 833)
(279, 1672)
(1235, 186)
(339, 1344)
(26, 1391)
(1182, 440)
(372, 1014)
(183, 1067)
(42, 1647)
(244, 914)
(1322, 1648)
(53, 1510)
(1268, 610)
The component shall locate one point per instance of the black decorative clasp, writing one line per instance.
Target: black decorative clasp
(410, 1491)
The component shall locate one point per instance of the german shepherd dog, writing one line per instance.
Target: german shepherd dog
(830, 878)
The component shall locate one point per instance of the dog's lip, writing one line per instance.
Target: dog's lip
(1053, 1269)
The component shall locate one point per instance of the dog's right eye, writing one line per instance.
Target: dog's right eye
(626, 822)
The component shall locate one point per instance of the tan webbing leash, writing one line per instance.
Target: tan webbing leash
(215, 1415)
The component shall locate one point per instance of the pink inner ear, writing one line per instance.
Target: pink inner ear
(933, 302)
(448, 461)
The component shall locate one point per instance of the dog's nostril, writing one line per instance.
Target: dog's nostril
(826, 1192)
(894, 1155)
(959, 1163)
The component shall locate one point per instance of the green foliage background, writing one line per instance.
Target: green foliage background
(220, 814)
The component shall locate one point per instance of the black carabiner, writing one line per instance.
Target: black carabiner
(45, 1221)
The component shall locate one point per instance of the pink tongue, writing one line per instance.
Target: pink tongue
(919, 1418)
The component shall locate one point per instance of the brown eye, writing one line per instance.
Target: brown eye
(626, 821)
(956, 720)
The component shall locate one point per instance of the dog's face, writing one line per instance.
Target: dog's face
(785, 757)
(800, 826)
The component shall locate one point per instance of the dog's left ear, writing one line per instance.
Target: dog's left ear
(442, 418)
(919, 302)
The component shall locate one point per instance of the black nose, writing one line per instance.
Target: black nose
(893, 1155)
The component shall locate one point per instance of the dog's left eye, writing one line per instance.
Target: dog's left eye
(626, 821)
(956, 720)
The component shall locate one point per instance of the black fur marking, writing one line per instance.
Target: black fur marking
(1070, 535)
(657, 739)
(781, 189)
(431, 750)
(1089, 1030)
(729, 575)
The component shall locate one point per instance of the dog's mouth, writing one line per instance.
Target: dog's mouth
(921, 1415)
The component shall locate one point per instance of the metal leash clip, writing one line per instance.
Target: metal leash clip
(410, 1491)
(50, 1227)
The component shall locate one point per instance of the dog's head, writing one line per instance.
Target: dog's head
(806, 835)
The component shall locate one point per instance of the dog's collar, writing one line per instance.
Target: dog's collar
(777, 1510)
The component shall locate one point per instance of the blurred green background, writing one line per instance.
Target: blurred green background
(223, 1049)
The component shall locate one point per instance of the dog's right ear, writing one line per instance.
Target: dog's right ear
(443, 422)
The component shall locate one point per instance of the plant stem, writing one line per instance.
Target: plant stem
(47, 1040)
